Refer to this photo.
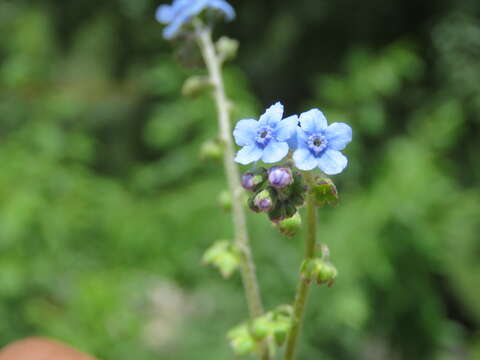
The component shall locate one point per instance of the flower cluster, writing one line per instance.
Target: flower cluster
(277, 191)
(181, 13)
(314, 143)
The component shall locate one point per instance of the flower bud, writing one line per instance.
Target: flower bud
(327, 275)
(325, 192)
(224, 256)
(227, 48)
(194, 85)
(280, 176)
(241, 340)
(290, 226)
(253, 180)
(225, 200)
(260, 327)
(323, 272)
(211, 150)
(264, 200)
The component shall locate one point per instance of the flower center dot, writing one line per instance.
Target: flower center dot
(317, 143)
(263, 136)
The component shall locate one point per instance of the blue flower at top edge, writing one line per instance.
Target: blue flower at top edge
(182, 11)
(319, 144)
(266, 139)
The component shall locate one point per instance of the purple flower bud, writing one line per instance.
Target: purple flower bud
(250, 181)
(263, 201)
(280, 176)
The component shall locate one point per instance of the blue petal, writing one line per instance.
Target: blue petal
(272, 115)
(338, 135)
(248, 154)
(245, 132)
(223, 7)
(172, 30)
(332, 162)
(287, 128)
(304, 159)
(164, 14)
(274, 151)
(301, 138)
(292, 142)
(313, 121)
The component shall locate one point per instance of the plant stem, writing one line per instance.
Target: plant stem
(247, 266)
(303, 286)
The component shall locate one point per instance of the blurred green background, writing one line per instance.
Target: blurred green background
(106, 210)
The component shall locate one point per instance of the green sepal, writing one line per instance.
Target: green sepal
(223, 255)
(290, 226)
(227, 48)
(241, 341)
(324, 192)
(318, 270)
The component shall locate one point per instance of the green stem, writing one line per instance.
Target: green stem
(303, 286)
(247, 266)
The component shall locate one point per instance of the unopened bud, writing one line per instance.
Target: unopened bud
(280, 176)
(241, 340)
(253, 180)
(290, 226)
(224, 256)
(195, 85)
(264, 200)
(227, 48)
(211, 150)
(225, 200)
(261, 327)
(318, 270)
(325, 192)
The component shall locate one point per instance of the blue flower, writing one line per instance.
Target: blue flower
(265, 139)
(319, 144)
(182, 11)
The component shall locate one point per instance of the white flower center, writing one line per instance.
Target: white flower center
(263, 136)
(317, 143)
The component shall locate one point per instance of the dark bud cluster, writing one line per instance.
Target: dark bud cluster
(277, 191)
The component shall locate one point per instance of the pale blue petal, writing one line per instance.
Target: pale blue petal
(292, 142)
(245, 132)
(304, 159)
(273, 115)
(248, 154)
(287, 128)
(301, 138)
(274, 151)
(338, 135)
(164, 14)
(313, 121)
(332, 162)
(223, 7)
(173, 29)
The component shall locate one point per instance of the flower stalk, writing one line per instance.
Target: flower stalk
(247, 266)
(304, 285)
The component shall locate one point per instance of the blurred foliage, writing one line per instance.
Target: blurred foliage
(106, 210)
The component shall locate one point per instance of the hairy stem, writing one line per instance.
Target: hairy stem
(303, 286)
(249, 278)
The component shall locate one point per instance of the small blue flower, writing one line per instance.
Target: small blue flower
(319, 144)
(267, 138)
(182, 11)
